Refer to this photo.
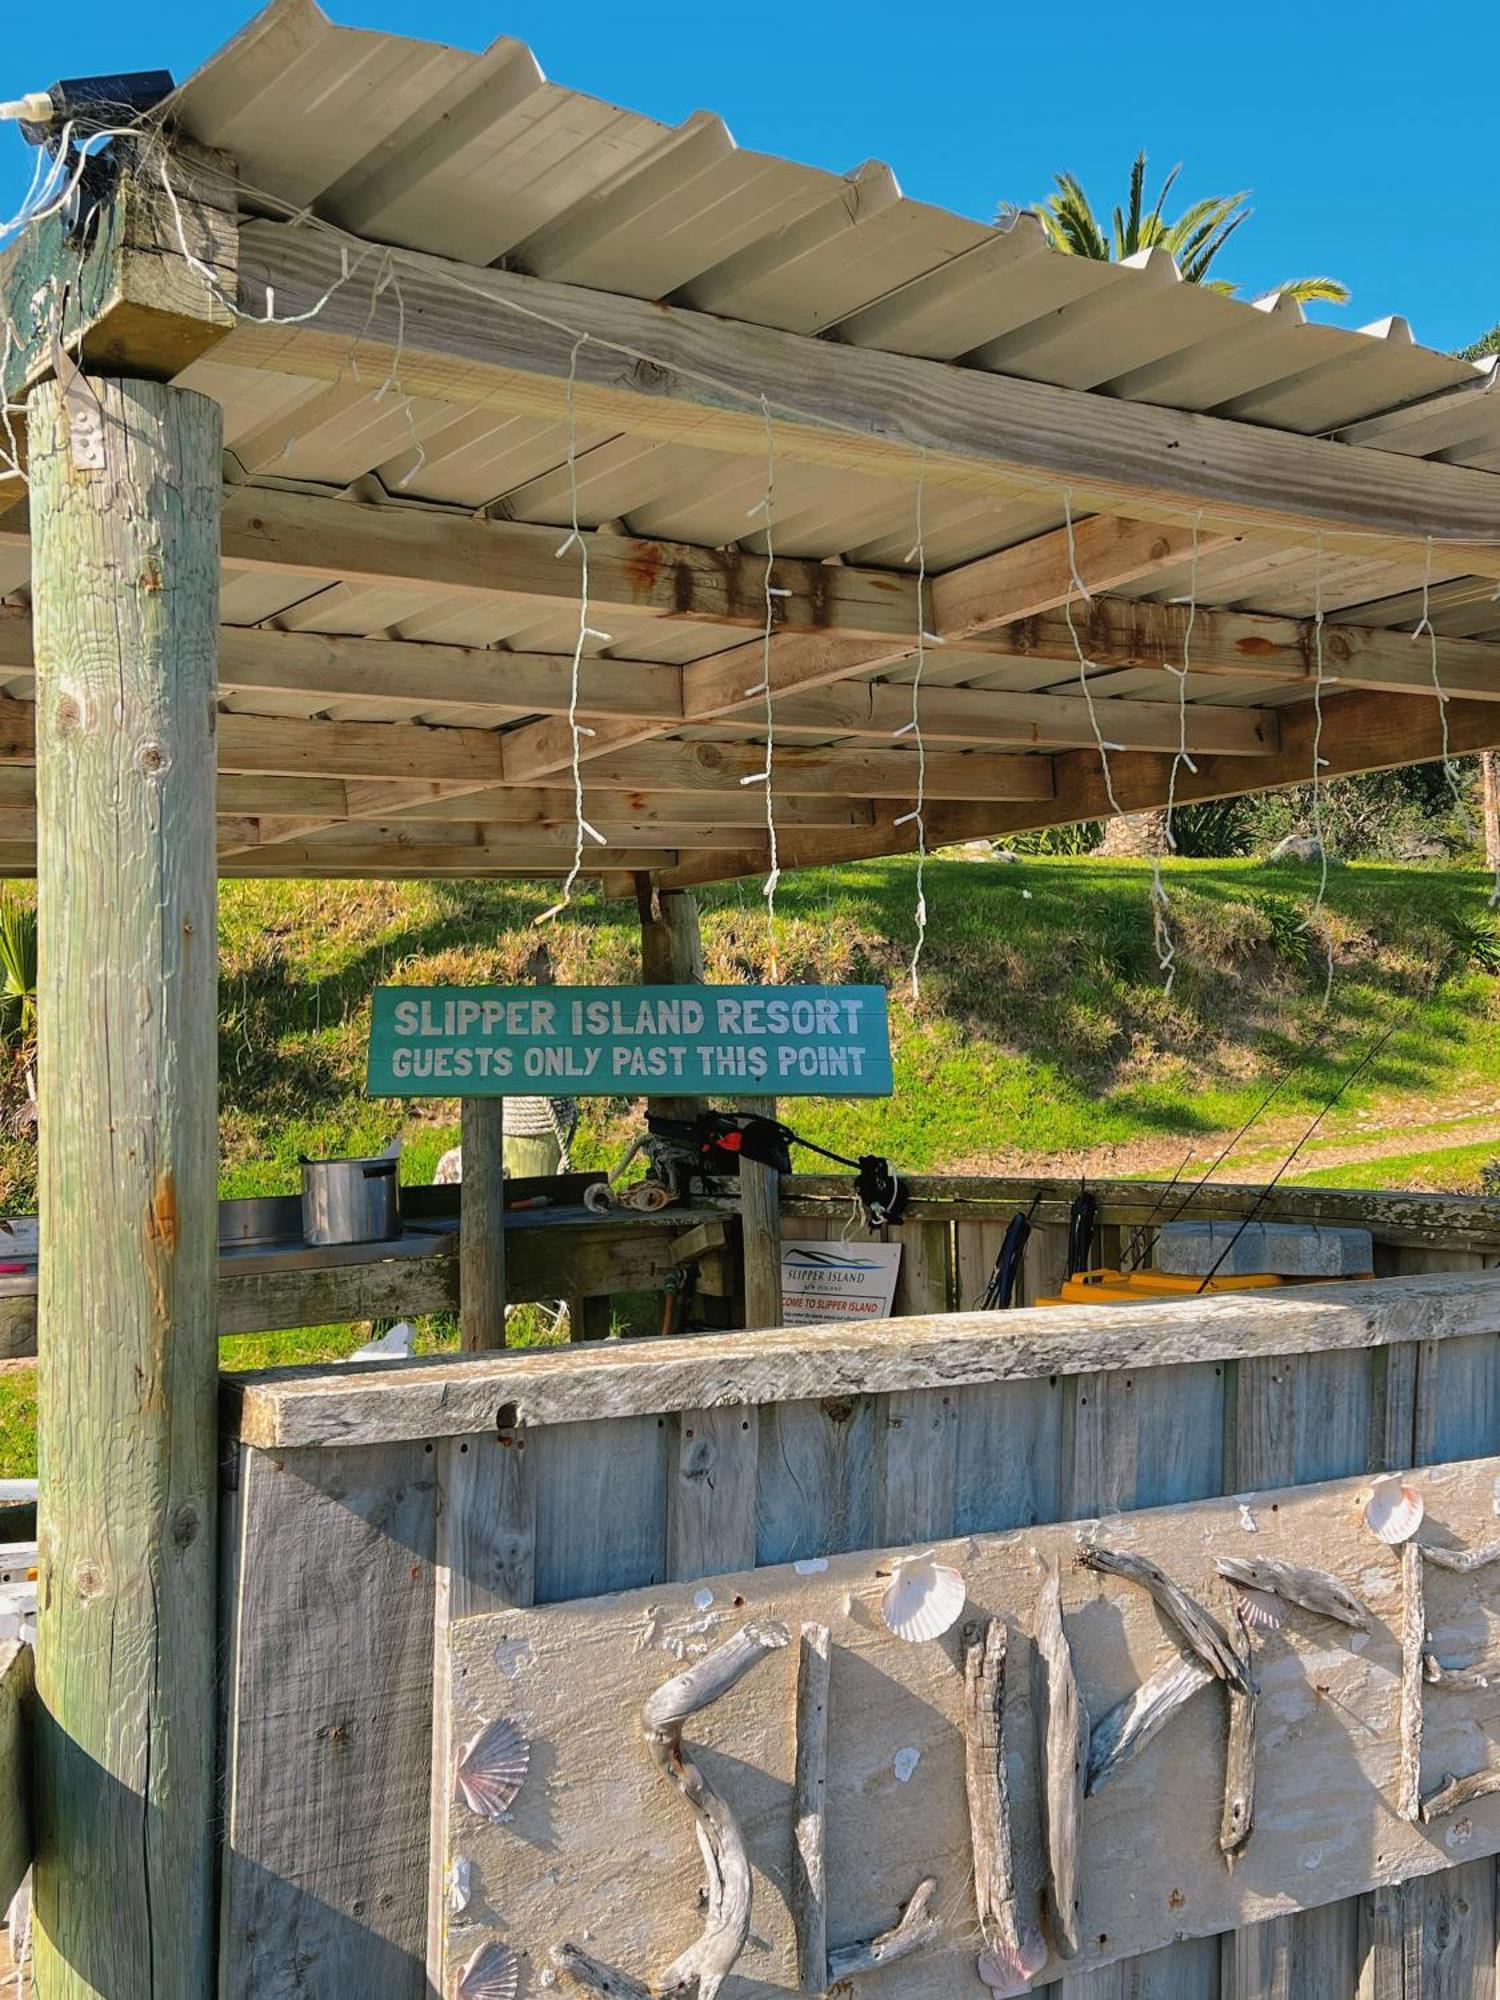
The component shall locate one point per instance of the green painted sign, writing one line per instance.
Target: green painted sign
(628, 1041)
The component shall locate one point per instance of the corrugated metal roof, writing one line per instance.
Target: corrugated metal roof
(479, 157)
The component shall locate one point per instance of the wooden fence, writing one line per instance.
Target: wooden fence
(367, 1511)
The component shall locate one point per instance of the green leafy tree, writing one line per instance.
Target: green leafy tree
(17, 969)
(1482, 349)
(1194, 238)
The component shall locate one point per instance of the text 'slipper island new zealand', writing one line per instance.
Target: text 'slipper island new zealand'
(620, 1040)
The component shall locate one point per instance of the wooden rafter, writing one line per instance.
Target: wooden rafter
(500, 340)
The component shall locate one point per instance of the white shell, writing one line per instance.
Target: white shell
(492, 1769)
(1394, 1511)
(493, 1973)
(460, 1884)
(1258, 1610)
(1009, 1976)
(923, 1598)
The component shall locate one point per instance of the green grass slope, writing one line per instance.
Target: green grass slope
(1043, 1028)
(1043, 1034)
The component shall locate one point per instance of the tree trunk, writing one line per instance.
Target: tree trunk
(1135, 836)
(1489, 764)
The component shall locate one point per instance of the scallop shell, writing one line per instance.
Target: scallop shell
(1394, 1510)
(493, 1973)
(1007, 1974)
(460, 1884)
(492, 1769)
(1258, 1610)
(923, 1598)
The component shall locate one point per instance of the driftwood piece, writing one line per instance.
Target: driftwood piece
(1455, 1792)
(1313, 1589)
(1464, 1562)
(1238, 1821)
(707, 1963)
(1128, 1727)
(1486, 1673)
(1198, 1627)
(1413, 1652)
(596, 1977)
(809, 1897)
(916, 1926)
(1064, 1740)
(1013, 1941)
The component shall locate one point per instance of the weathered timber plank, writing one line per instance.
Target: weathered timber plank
(895, 1793)
(442, 1397)
(330, 1726)
(711, 1491)
(816, 1491)
(485, 1561)
(601, 1506)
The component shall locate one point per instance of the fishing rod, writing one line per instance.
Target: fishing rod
(1139, 1244)
(1270, 1187)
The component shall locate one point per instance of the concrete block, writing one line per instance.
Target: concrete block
(1284, 1249)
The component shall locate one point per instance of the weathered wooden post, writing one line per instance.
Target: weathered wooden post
(481, 1241)
(125, 494)
(671, 955)
(760, 1230)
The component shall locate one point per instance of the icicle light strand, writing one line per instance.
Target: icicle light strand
(1165, 945)
(1319, 761)
(581, 828)
(767, 506)
(918, 554)
(1424, 625)
(1080, 590)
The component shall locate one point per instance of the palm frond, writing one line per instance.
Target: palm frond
(1195, 270)
(1197, 223)
(1075, 226)
(1154, 225)
(1331, 290)
(1128, 232)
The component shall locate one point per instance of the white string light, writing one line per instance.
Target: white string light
(1166, 947)
(767, 507)
(1080, 589)
(918, 553)
(1424, 624)
(581, 829)
(1319, 763)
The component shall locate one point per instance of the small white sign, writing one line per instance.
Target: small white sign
(835, 1281)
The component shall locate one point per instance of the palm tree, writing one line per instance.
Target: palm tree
(1194, 239)
(1482, 349)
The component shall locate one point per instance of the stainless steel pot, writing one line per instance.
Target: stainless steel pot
(349, 1201)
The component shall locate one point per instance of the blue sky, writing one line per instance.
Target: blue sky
(1367, 133)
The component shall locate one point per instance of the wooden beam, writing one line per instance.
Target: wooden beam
(1118, 632)
(1031, 721)
(844, 771)
(496, 339)
(1360, 732)
(135, 306)
(393, 858)
(464, 556)
(127, 1639)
